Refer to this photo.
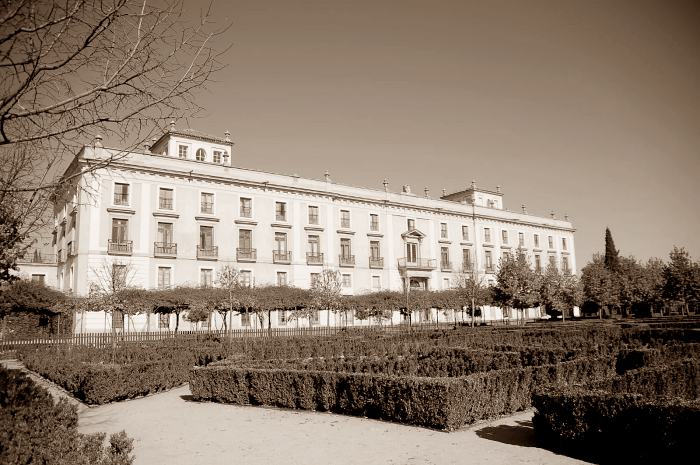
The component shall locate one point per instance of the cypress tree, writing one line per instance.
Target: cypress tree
(611, 253)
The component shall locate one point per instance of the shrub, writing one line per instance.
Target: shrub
(35, 429)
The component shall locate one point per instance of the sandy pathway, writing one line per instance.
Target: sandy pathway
(168, 429)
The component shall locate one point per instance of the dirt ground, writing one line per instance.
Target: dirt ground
(168, 428)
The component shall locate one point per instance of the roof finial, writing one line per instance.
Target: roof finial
(385, 183)
(473, 184)
(498, 189)
(551, 213)
(524, 209)
(566, 217)
(327, 176)
(444, 192)
(227, 136)
(172, 125)
(426, 191)
(98, 141)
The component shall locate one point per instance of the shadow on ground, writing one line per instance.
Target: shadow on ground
(522, 434)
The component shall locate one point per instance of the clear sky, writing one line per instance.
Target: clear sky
(589, 108)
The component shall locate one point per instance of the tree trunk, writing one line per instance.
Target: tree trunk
(177, 321)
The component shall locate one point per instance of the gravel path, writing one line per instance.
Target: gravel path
(168, 428)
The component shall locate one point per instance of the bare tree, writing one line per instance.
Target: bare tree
(76, 68)
(325, 292)
(471, 289)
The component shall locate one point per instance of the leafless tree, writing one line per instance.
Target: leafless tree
(72, 69)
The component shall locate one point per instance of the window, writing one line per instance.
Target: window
(443, 230)
(565, 264)
(280, 211)
(445, 283)
(344, 219)
(552, 261)
(505, 255)
(164, 277)
(376, 283)
(165, 233)
(313, 214)
(245, 320)
(313, 318)
(207, 202)
(536, 238)
(206, 277)
(411, 252)
(206, 237)
(245, 278)
(521, 239)
(538, 263)
(374, 251)
(373, 222)
(217, 156)
(120, 229)
(281, 242)
(281, 278)
(245, 239)
(347, 280)
(411, 224)
(504, 236)
(314, 246)
(345, 247)
(445, 257)
(246, 207)
(314, 278)
(466, 259)
(281, 318)
(465, 233)
(487, 234)
(182, 151)
(563, 243)
(164, 321)
(39, 278)
(488, 261)
(201, 155)
(121, 194)
(550, 240)
(165, 199)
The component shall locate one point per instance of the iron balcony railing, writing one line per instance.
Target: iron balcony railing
(121, 199)
(376, 262)
(314, 258)
(35, 256)
(120, 247)
(209, 252)
(165, 204)
(418, 263)
(165, 249)
(281, 256)
(246, 255)
(346, 260)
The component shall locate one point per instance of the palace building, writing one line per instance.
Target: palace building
(178, 211)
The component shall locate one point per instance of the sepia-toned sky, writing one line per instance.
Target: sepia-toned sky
(590, 108)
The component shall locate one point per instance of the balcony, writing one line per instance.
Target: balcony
(314, 258)
(376, 262)
(164, 249)
(446, 266)
(35, 256)
(246, 255)
(280, 256)
(207, 253)
(120, 247)
(418, 264)
(346, 260)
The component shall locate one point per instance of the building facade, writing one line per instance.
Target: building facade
(177, 212)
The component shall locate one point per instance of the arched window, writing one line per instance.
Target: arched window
(201, 155)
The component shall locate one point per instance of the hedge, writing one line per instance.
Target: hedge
(617, 428)
(441, 403)
(36, 429)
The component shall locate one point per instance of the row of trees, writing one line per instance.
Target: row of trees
(623, 285)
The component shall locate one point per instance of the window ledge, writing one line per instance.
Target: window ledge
(166, 215)
(444, 241)
(506, 246)
(375, 234)
(207, 218)
(466, 243)
(281, 225)
(313, 228)
(345, 231)
(128, 211)
(487, 244)
(246, 221)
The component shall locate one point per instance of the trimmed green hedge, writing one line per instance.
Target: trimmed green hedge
(617, 428)
(442, 403)
(35, 429)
